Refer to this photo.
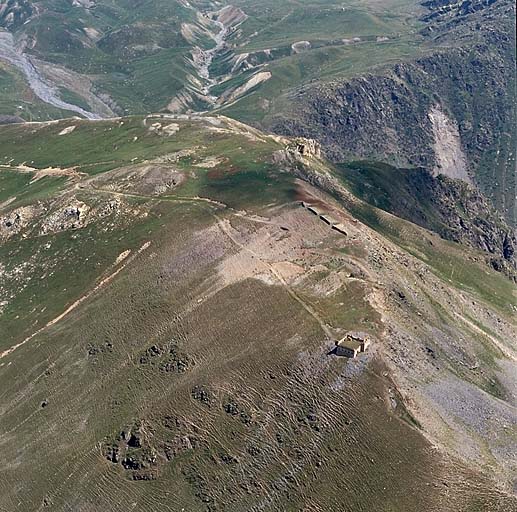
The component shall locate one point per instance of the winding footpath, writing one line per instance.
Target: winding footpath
(79, 301)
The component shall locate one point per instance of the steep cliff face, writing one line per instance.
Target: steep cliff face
(450, 207)
(452, 111)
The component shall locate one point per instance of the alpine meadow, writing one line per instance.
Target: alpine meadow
(258, 256)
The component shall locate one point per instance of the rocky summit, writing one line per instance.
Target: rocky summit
(258, 256)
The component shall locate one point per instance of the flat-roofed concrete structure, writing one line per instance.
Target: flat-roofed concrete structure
(347, 348)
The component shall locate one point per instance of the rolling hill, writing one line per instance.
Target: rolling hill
(414, 84)
(169, 312)
(139, 57)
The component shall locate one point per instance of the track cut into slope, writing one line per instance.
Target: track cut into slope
(199, 368)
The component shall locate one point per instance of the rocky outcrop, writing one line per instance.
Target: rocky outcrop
(8, 119)
(307, 148)
(14, 13)
(16, 220)
(446, 10)
(72, 216)
(392, 115)
(465, 216)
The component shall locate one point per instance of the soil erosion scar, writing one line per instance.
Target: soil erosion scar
(77, 302)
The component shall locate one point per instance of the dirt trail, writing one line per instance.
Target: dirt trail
(47, 171)
(187, 199)
(78, 301)
(504, 349)
(223, 224)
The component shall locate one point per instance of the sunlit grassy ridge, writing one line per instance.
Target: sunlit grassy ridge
(175, 334)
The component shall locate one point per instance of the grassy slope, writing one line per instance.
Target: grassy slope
(255, 405)
(324, 24)
(112, 389)
(447, 261)
(140, 58)
(104, 146)
(275, 24)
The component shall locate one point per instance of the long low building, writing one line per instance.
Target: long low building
(314, 210)
(340, 228)
(329, 220)
(311, 208)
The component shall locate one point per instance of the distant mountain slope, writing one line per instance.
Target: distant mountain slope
(138, 57)
(452, 111)
(429, 84)
(110, 55)
(449, 207)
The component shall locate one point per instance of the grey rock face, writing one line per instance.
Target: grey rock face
(388, 116)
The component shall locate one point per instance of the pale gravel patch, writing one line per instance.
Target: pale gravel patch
(450, 158)
(483, 421)
(67, 130)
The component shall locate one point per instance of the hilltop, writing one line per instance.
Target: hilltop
(169, 312)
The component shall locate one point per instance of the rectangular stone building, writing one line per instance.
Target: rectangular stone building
(352, 344)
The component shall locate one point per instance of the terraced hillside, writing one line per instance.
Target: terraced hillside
(127, 384)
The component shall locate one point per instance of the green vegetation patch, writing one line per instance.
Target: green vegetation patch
(447, 259)
(20, 188)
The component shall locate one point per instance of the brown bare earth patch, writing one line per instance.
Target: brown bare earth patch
(222, 171)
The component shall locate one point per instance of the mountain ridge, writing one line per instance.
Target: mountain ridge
(144, 230)
(260, 189)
